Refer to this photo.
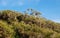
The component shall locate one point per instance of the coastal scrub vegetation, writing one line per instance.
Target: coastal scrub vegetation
(14, 24)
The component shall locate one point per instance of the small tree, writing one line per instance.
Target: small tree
(33, 12)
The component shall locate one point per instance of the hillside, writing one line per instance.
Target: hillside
(17, 25)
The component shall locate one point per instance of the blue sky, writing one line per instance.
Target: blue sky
(50, 9)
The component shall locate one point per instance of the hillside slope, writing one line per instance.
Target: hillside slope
(18, 25)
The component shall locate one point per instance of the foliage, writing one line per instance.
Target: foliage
(16, 25)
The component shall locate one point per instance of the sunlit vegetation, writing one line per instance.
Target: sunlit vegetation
(17, 25)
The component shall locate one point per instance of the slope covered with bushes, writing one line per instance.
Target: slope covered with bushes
(18, 25)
